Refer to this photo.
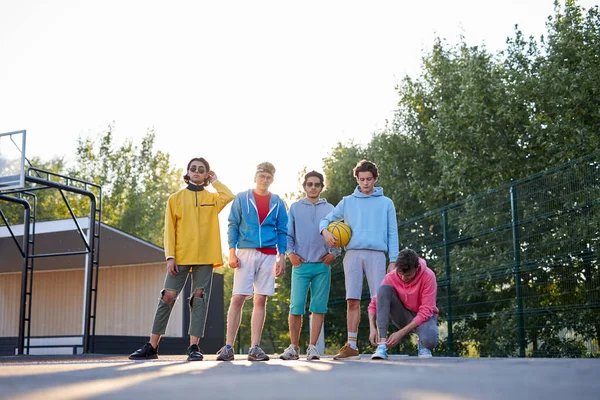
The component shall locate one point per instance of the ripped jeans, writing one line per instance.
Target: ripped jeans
(198, 301)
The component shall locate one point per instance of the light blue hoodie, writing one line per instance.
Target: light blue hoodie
(372, 218)
(303, 235)
(245, 231)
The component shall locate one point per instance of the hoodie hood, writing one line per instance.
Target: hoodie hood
(304, 200)
(377, 191)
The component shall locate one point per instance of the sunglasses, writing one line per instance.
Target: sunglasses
(315, 184)
(200, 170)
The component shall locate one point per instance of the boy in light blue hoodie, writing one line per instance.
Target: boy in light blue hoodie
(372, 218)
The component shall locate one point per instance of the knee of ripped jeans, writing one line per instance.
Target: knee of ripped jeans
(198, 294)
(168, 296)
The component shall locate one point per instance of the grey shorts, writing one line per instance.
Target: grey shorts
(360, 263)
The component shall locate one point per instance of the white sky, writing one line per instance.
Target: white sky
(237, 82)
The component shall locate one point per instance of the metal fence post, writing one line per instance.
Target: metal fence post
(448, 282)
(517, 270)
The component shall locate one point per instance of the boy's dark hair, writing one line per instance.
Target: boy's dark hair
(365, 166)
(407, 261)
(314, 174)
(186, 177)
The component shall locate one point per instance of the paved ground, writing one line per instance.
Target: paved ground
(171, 377)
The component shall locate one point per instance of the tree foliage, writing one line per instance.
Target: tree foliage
(136, 182)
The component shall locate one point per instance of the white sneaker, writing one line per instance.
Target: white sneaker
(380, 353)
(312, 353)
(423, 352)
(290, 353)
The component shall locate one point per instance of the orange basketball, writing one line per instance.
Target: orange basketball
(341, 231)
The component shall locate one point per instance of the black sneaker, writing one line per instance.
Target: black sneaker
(146, 352)
(225, 354)
(194, 353)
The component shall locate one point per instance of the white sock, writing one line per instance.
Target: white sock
(382, 344)
(352, 339)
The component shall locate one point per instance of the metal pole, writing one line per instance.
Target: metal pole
(517, 270)
(24, 276)
(25, 253)
(449, 316)
(89, 271)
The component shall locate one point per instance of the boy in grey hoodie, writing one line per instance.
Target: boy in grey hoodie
(372, 218)
(311, 259)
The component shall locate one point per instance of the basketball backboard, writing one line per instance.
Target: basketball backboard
(12, 160)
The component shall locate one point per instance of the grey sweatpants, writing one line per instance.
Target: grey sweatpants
(390, 307)
(201, 279)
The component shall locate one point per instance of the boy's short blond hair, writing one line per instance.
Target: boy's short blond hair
(265, 167)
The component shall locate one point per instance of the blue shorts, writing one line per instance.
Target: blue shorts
(317, 276)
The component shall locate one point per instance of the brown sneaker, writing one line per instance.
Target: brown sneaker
(347, 353)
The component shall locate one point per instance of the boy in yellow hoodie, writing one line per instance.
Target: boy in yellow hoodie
(192, 247)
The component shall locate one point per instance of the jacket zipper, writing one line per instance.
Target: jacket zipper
(259, 223)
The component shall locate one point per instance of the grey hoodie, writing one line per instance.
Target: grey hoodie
(303, 235)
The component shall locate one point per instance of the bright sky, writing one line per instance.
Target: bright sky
(237, 82)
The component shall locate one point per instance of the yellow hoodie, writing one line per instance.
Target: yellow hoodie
(192, 233)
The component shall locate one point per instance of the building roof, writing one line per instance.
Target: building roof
(117, 248)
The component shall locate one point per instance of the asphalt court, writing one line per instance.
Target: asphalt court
(92, 376)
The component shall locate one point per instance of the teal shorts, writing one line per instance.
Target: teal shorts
(317, 276)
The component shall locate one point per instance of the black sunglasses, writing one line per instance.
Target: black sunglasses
(315, 184)
(200, 169)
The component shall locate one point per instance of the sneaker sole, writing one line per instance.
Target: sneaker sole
(312, 358)
(225, 359)
(347, 358)
(142, 358)
(258, 359)
(289, 359)
(378, 358)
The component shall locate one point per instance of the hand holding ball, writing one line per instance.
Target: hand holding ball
(341, 231)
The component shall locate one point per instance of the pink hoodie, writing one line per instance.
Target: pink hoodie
(417, 296)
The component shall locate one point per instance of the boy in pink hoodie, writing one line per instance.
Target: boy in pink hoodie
(407, 297)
